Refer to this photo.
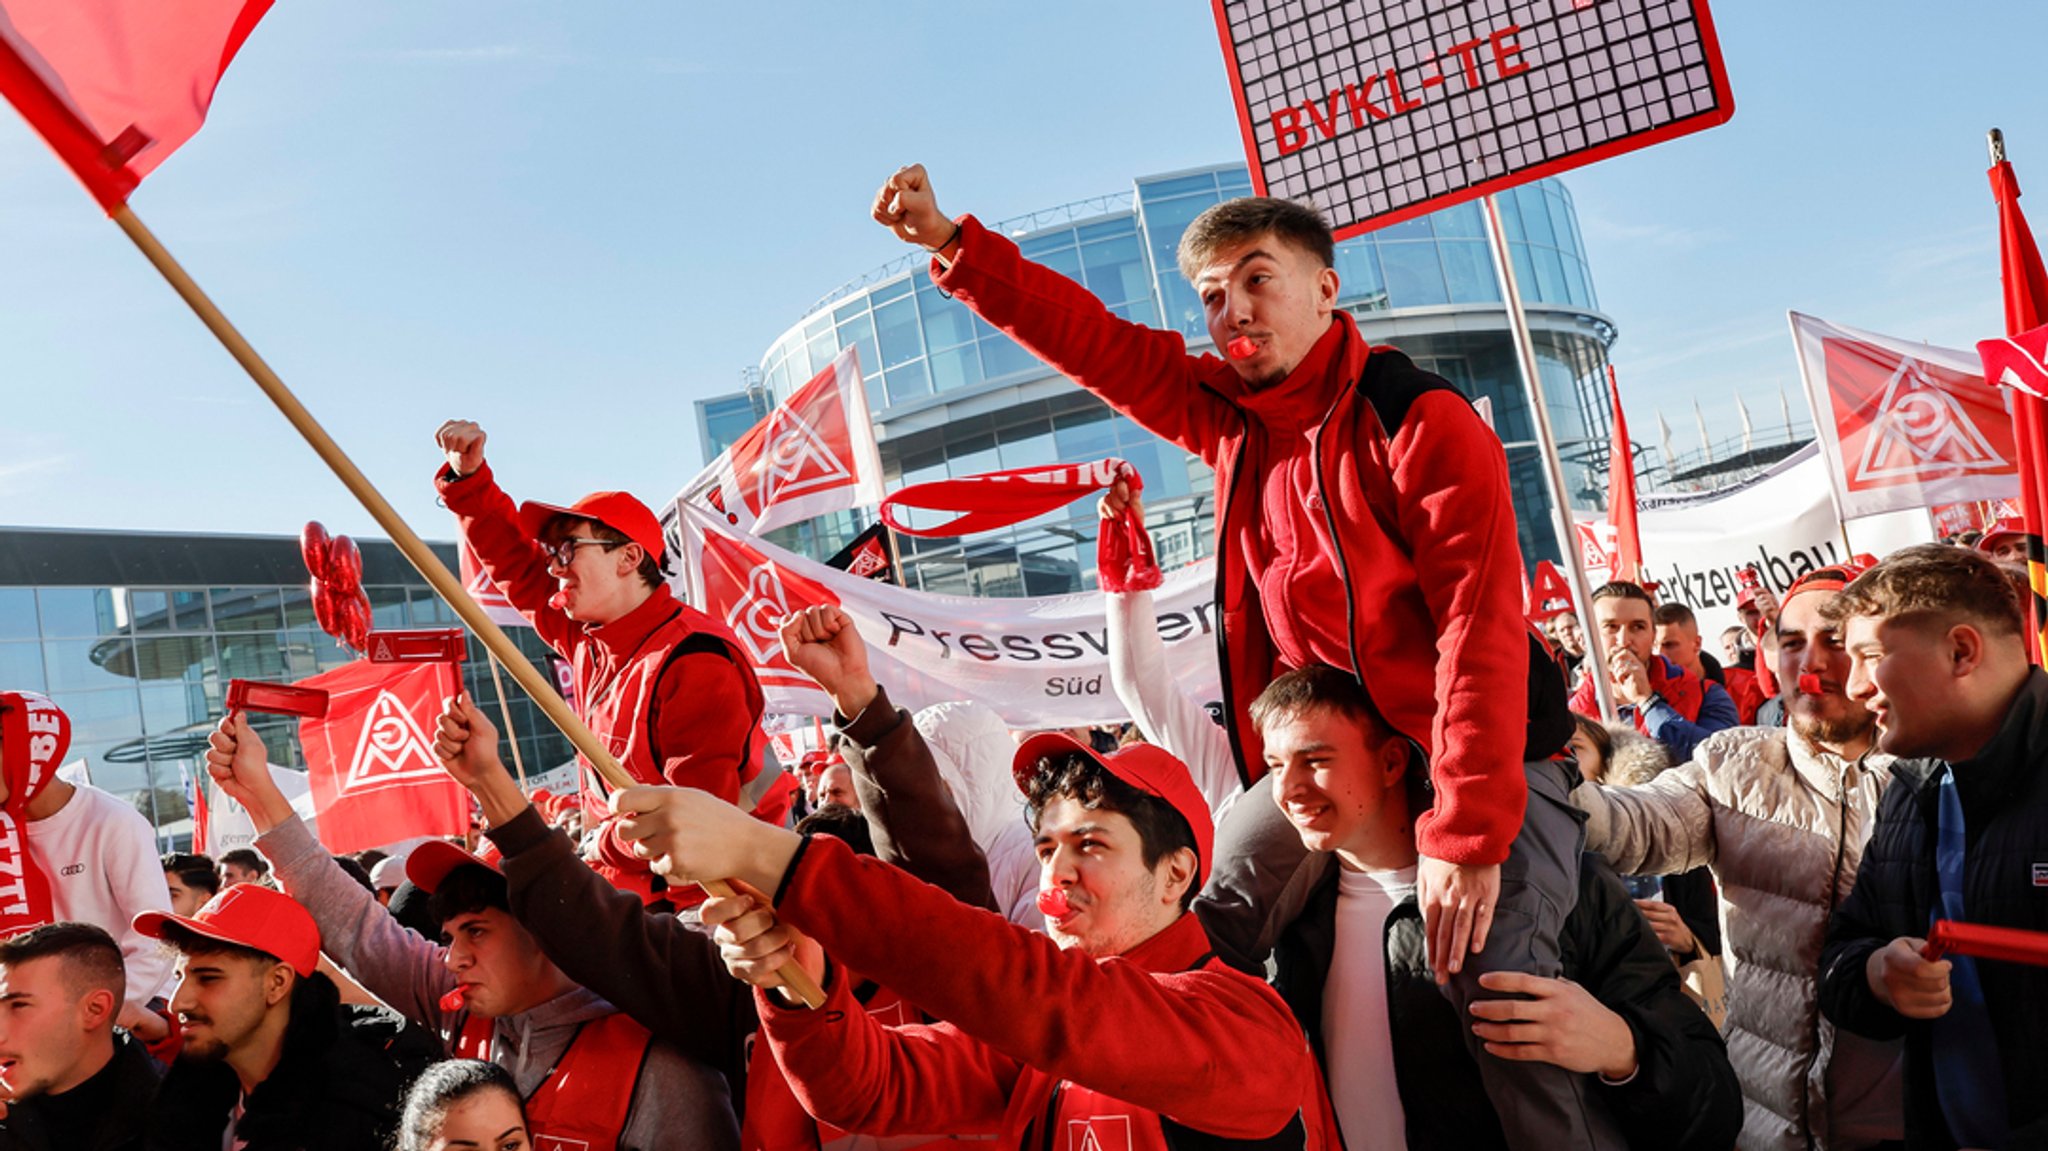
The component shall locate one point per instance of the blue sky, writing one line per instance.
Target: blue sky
(570, 221)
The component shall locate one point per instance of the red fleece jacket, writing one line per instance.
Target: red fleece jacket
(691, 719)
(1162, 1030)
(1365, 522)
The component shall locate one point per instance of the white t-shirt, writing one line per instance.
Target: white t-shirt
(1356, 1037)
(100, 857)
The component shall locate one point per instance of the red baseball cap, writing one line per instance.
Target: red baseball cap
(1832, 578)
(432, 861)
(1151, 769)
(249, 915)
(618, 511)
(1999, 530)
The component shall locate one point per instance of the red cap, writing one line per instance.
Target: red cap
(431, 862)
(1832, 578)
(1152, 770)
(1999, 530)
(249, 915)
(618, 511)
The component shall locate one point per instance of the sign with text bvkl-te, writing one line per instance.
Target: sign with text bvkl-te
(1376, 111)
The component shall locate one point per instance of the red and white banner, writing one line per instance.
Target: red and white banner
(370, 760)
(1039, 662)
(814, 455)
(115, 86)
(484, 590)
(2018, 361)
(1903, 425)
(1782, 522)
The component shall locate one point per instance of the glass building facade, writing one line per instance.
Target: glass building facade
(136, 635)
(952, 396)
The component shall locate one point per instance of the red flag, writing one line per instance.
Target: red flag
(115, 86)
(814, 454)
(370, 761)
(2026, 308)
(484, 590)
(1621, 494)
(1550, 595)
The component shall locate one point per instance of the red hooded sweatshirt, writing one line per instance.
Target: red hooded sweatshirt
(1364, 522)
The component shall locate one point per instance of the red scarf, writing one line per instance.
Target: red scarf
(34, 735)
(1123, 550)
(1685, 693)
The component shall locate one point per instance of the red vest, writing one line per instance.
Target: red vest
(586, 1098)
(620, 707)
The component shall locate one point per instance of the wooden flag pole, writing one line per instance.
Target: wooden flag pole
(429, 565)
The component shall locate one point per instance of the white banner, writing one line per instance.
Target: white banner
(814, 454)
(228, 823)
(1040, 662)
(1781, 521)
(1903, 425)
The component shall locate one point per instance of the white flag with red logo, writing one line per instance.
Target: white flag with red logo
(371, 761)
(1903, 425)
(814, 455)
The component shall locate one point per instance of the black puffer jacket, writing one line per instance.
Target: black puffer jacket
(1684, 1097)
(338, 1087)
(2004, 793)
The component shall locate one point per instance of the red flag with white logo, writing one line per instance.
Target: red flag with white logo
(814, 454)
(485, 591)
(2025, 281)
(1902, 424)
(1549, 595)
(371, 761)
(115, 86)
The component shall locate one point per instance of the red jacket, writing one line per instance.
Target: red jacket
(664, 687)
(1365, 522)
(1037, 1041)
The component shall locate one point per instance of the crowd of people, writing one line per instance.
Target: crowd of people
(1405, 887)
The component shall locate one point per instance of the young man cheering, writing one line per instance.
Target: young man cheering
(1120, 1028)
(665, 686)
(489, 992)
(1938, 649)
(1364, 522)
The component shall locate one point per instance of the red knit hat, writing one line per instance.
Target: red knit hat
(619, 511)
(1152, 770)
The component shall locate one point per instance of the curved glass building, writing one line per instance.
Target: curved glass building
(952, 396)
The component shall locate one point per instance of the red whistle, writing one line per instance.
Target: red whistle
(1052, 902)
(1242, 348)
(1809, 684)
(559, 601)
(452, 1001)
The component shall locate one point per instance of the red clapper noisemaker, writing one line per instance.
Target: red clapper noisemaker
(1982, 941)
(427, 645)
(276, 698)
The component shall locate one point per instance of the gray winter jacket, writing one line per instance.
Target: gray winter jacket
(674, 1094)
(1783, 825)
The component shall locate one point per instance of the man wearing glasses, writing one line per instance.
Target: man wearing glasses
(663, 685)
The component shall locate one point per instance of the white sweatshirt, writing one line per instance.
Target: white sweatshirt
(101, 860)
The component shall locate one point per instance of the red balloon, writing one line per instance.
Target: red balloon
(313, 545)
(344, 566)
(325, 610)
(357, 611)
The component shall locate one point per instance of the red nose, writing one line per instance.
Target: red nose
(1242, 348)
(1053, 902)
